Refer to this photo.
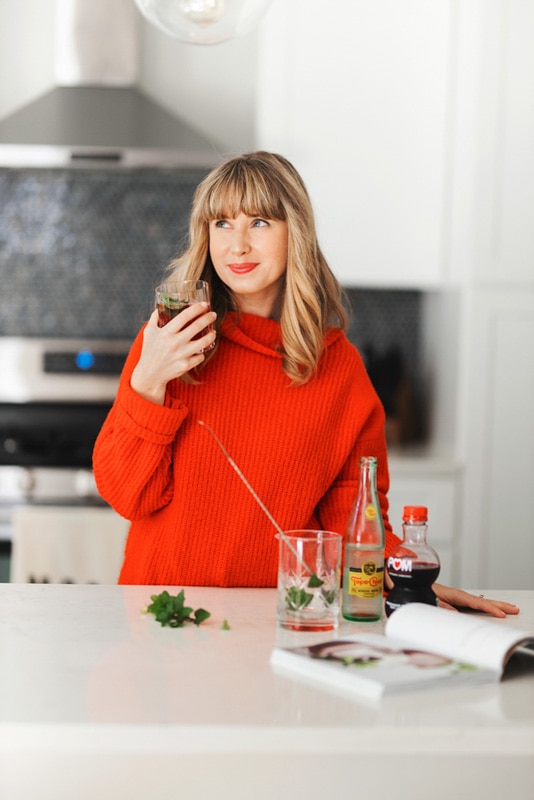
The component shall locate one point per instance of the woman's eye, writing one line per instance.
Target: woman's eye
(220, 223)
(259, 223)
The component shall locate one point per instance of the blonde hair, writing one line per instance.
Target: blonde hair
(267, 185)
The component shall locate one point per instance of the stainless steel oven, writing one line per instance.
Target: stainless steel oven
(54, 397)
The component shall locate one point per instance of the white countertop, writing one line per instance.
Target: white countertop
(97, 698)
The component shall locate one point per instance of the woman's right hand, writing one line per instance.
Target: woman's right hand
(170, 352)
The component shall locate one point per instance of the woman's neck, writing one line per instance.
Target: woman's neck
(268, 310)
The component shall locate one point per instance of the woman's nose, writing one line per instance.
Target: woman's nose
(240, 242)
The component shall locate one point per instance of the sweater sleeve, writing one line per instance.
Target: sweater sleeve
(132, 457)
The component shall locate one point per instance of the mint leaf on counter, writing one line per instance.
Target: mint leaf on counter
(172, 611)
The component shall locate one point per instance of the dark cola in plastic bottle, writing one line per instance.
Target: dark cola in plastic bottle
(414, 565)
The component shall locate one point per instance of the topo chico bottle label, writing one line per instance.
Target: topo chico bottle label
(366, 580)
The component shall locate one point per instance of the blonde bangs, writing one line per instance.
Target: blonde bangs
(242, 189)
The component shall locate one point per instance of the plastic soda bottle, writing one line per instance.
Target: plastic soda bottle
(414, 565)
(363, 567)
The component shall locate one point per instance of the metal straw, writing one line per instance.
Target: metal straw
(259, 501)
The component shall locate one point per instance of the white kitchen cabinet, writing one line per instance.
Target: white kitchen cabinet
(359, 96)
(67, 544)
(505, 146)
(497, 391)
(433, 483)
(498, 540)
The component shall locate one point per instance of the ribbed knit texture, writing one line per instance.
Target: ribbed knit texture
(193, 520)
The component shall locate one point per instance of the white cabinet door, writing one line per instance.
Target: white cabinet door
(498, 529)
(505, 150)
(358, 95)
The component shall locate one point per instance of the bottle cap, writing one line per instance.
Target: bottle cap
(415, 513)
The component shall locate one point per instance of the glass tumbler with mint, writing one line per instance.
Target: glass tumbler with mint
(172, 298)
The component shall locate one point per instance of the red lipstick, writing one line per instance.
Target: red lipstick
(243, 267)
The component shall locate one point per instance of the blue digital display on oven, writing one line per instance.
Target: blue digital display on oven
(84, 359)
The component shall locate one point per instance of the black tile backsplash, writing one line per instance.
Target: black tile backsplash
(81, 252)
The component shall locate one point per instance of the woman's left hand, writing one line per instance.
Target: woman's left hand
(455, 599)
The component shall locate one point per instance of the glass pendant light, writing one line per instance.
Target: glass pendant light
(203, 21)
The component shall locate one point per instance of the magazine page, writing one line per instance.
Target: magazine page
(372, 665)
(462, 637)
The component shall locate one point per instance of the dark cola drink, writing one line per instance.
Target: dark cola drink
(173, 298)
(414, 586)
(414, 565)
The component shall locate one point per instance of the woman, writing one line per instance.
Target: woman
(283, 389)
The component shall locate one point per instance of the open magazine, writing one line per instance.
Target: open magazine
(422, 647)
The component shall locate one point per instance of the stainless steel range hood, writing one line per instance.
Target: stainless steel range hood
(96, 115)
(93, 125)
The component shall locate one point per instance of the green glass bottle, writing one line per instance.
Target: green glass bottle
(363, 565)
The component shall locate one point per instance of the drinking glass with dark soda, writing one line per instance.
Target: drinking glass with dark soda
(172, 298)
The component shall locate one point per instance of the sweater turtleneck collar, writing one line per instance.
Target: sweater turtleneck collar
(260, 333)
(257, 333)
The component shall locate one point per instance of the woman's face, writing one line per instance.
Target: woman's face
(249, 255)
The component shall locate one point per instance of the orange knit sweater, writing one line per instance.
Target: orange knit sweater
(193, 520)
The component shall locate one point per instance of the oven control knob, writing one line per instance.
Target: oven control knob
(10, 445)
(27, 481)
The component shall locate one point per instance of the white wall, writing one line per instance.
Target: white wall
(26, 52)
(211, 87)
